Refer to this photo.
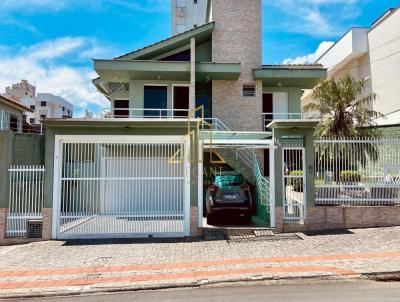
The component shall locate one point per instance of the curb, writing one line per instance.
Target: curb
(182, 285)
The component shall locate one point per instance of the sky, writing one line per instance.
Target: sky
(51, 43)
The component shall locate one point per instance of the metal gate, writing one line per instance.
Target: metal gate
(122, 187)
(294, 184)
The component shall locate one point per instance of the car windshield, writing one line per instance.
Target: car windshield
(228, 180)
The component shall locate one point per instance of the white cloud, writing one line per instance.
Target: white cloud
(44, 6)
(41, 64)
(318, 18)
(312, 57)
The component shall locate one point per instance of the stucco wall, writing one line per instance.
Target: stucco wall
(385, 67)
(17, 149)
(237, 39)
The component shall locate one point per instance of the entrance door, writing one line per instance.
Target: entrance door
(181, 101)
(294, 184)
(121, 108)
(155, 101)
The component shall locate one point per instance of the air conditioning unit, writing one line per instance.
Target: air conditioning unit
(34, 228)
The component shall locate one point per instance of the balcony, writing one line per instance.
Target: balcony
(286, 116)
(143, 113)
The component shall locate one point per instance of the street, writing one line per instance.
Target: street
(352, 291)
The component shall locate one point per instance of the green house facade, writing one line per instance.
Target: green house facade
(179, 109)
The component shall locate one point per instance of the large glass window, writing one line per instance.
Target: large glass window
(155, 97)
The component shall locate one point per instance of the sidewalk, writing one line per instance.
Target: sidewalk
(58, 267)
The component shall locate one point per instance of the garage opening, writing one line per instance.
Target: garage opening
(111, 189)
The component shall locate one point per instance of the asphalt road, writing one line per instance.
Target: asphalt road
(354, 291)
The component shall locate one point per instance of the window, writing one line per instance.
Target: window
(33, 107)
(183, 56)
(249, 90)
(155, 97)
(31, 121)
(195, 1)
(43, 103)
(42, 116)
(205, 101)
(63, 108)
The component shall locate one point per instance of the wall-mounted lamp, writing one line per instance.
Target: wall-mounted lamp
(295, 129)
(158, 78)
(207, 79)
(279, 84)
(116, 77)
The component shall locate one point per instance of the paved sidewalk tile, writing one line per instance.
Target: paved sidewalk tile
(59, 266)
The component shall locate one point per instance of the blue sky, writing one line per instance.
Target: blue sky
(51, 42)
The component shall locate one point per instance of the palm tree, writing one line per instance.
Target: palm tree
(343, 108)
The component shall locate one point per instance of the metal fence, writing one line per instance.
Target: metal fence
(360, 171)
(293, 184)
(25, 198)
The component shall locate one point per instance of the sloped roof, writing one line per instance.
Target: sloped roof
(201, 32)
(14, 104)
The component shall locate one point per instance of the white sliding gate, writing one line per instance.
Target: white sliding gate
(120, 187)
(294, 184)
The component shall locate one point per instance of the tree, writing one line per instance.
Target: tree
(344, 108)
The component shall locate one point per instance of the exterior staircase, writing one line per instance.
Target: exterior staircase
(240, 161)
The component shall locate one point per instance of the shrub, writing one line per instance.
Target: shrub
(350, 176)
(297, 183)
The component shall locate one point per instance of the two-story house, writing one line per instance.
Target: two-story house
(179, 108)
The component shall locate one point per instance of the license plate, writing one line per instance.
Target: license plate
(230, 196)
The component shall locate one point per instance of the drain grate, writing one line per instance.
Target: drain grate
(258, 235)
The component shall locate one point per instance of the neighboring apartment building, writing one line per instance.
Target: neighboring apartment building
(372, 54)
(187, 14)
(44, 105)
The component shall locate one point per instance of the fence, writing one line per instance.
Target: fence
(25, 198)
(361, 171)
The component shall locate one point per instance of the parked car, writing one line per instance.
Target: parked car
(228, 193)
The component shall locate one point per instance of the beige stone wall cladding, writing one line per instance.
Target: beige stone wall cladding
(320, 218)
(194, 222)
(47, 219)
(237, 39)
(3, 221)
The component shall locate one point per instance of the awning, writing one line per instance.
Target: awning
(243, 139)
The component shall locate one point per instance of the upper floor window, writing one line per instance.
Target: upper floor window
(33, 107)
(195, 1)
(249, 90)
(43, 103)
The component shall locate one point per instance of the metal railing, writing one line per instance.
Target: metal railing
(268, 117)
(25, 198)
(359, 171)
(144, 113)
(262, 185)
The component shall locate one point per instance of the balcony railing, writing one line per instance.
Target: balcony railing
(275, 116)
(132, 113)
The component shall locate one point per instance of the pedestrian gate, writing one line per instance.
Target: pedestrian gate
(294, 184)
(121, 187)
